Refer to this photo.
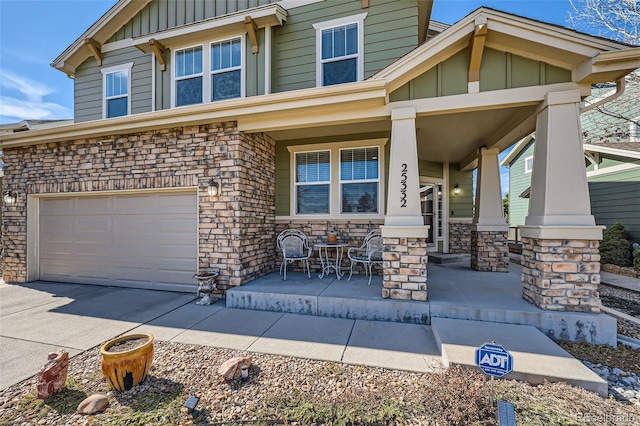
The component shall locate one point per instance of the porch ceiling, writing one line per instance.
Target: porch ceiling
(450, 138)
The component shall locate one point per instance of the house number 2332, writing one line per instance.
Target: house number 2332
(403, 185)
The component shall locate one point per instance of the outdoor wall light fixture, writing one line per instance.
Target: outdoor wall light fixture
(213, 188)
(9, 197)
(456, 189)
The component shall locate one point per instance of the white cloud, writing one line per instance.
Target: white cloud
(33, 90)
(31, 104)
(20, 109)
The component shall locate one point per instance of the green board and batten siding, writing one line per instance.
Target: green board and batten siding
(499, 70)
(88, 96)
(160, 15)
(518, 182)
(615, 197)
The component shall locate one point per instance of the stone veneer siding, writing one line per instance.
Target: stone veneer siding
(489, 251)
(405, 269)
(235, 229)
(561, 275)
(460, 236)
(351, 232)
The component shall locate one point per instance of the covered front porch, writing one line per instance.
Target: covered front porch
(455, 292)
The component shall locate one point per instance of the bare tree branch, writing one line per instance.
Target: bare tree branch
(615, 19)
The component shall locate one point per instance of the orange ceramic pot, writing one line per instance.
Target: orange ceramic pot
(127, 368)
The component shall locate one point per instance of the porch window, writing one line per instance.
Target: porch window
(634, 130)
(226, 67)
(116, 89)
(188, 76)
(312, 182)
(528, 164)
(359, 180)
(340, 47)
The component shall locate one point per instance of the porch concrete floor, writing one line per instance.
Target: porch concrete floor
(465, 309)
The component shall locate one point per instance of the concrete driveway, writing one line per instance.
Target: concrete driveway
(38, 318)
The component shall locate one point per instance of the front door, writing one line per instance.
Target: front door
(431, 205)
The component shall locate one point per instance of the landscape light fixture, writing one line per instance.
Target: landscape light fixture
(456, 189)
(214, 188)
(9, 197)
(191, 403)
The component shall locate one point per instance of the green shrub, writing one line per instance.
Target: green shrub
(615, 248)
(636, 259)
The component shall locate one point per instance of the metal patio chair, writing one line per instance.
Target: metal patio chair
(368, 253)
(295, 247)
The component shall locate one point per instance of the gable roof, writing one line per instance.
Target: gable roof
(591, 59)
(116, 17)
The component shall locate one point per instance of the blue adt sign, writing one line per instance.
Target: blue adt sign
(494, 360)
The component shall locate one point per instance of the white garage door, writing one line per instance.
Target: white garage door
(142, 241)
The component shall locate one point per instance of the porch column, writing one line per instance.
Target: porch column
(560, 257)
(404, 232)
(489, 230)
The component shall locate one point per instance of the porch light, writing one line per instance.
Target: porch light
(456, 189)
(213, 188)
(9, 197)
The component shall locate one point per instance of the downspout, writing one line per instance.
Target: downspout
(620, 86)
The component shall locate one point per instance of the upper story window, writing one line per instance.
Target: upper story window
(340, 50)
(188, 76)
(222, 62)
(528, 164)
(116, 89)
(226, 66)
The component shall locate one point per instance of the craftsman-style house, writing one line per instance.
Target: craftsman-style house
(310, 114)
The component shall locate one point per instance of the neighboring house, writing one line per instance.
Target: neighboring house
(612, 160)
(303, 113)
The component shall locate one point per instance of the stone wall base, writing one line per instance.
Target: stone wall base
(405, 269)
(561, 275)
(460, 236)
(489, 251)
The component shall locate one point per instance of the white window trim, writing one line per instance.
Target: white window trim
(108, 70)
(354, 19)
(341, 182)
(634, 130)
(175, 79)
(206, 68)
(528, 170)
(297, 184)
(241, 67)
(334, 195)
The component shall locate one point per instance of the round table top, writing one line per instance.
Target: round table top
(323, 245)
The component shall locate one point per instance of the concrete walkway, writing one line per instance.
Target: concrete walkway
(38, 318)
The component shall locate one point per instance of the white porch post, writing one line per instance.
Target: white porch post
(489, 249)
(561, 269)
(404, 232)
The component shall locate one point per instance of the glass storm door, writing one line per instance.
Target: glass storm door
(431, 205)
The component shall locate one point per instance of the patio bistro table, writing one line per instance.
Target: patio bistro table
(326, 261)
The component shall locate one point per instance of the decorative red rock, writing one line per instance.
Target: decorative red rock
(53, 376)
(231, 369)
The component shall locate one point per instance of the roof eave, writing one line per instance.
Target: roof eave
(100, 31)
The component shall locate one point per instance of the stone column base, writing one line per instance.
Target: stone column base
(561, 275)
(489, 251)
(405, 268)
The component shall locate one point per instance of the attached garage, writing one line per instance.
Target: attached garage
(143, 240)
